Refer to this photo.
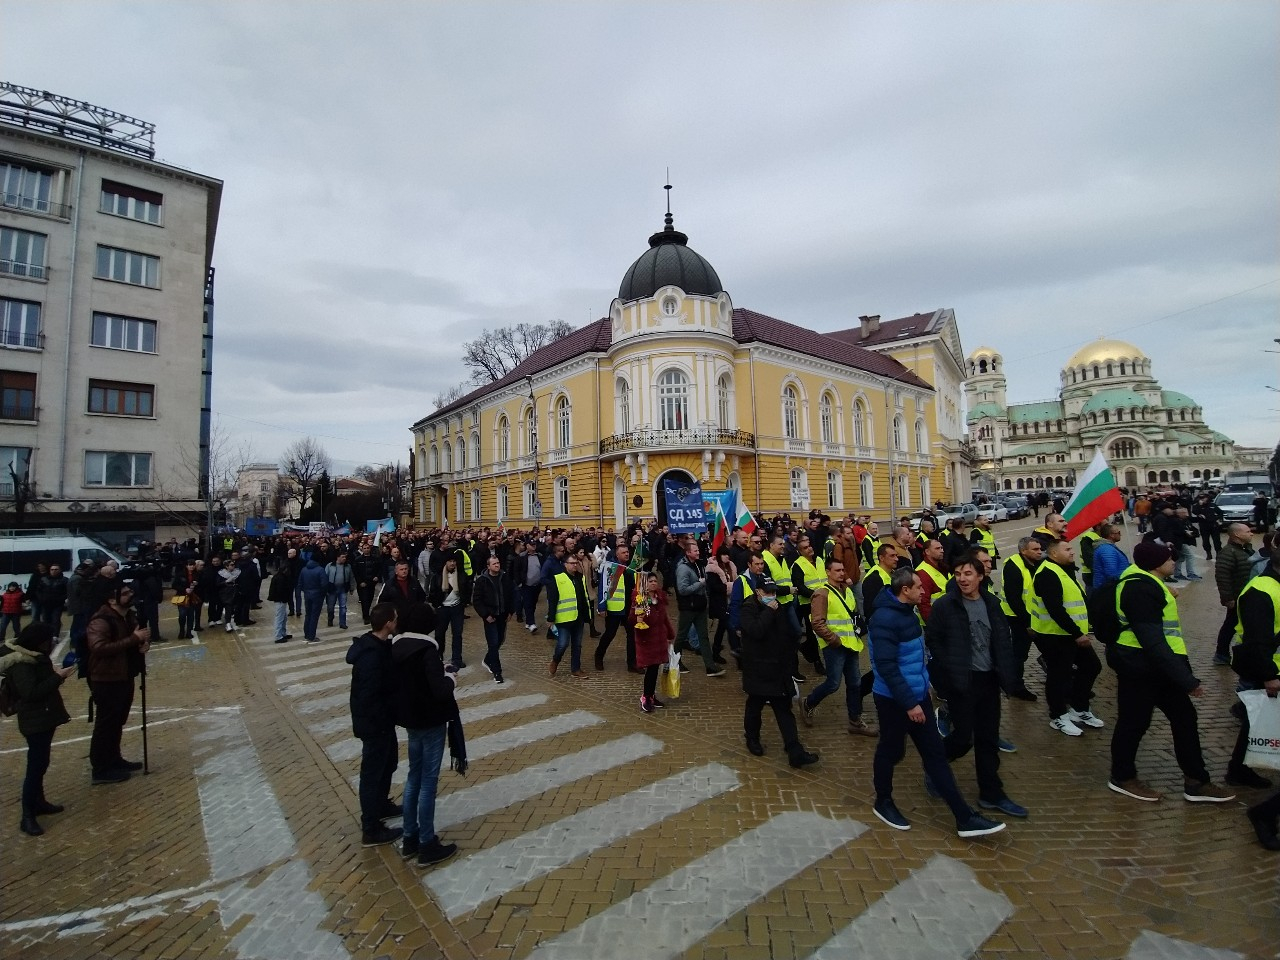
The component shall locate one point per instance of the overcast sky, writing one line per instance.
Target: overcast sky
(401, 175)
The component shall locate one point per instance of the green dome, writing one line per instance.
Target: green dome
(987, 409)
(1118, 399)
(1177, 401)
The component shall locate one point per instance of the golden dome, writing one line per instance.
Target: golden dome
(984, 352)
(1102, 350)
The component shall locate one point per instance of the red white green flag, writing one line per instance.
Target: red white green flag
(721, 533)
(745, 520)
(1095, 499)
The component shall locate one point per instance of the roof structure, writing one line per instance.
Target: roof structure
(1178, 401)
(748, 327)
(1033, 412)
(987, 409)
(889, 331)
(1102, 350)
(1115, 399)
(1035, 449)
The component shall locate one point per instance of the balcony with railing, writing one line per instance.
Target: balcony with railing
(700, 437)
(20, 409)
(21, 339)
(27, 271)
(16, 201)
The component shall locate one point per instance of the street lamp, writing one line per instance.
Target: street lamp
(533, 442)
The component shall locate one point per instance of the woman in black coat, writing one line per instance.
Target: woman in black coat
(35, 682)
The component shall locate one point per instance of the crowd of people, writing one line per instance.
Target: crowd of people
(944, 642)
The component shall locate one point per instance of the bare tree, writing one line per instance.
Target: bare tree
(446, 397)
(495, 353)
(303, 462)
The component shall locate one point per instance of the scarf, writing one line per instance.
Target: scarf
(457, 748)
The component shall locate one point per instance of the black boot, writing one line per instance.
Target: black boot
(30, 825)
(43, 806)
(755, 747)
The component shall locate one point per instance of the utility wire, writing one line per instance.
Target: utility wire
(300, 433)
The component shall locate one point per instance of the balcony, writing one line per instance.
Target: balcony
(21, 340)
(695, 437)
(16, 201)
(27, 271)
(22, 410)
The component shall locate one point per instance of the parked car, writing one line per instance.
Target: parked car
(1017, 507)
(995, 512)
(1236, 505)
(964, 511)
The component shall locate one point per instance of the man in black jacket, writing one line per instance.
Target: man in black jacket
(972, 662)
(492, 597)
(373, 721)
(768, 658)
(1256, 659)
(1154, 672)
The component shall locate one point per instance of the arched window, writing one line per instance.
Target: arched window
(1122, 368)
(925, 494)
(799, 490)
(448, 458)
(475, 449)
(1176, 476)
(824, 419)
(1035, 427)
(504, 440)
(1020, 487)
(435, 461)
(530, 498)
(562, 496)
(860, 433)
(1164, 476)
(1106, 416)
(1151, 476)
(835, 489)
(529, 433)
(899, 430)
(982, 366)
(563, 432)
(673, 401)
(422, 462)
(724, 409)
(1110, 372)
(623, 392)
(1073, 376)
(904, 498)
(462, 456)
(1120, 413)
(1195, 474)
(922, 439)
(1008, 484)
(790, 414)
(1059, 426)
(475, 504)
(1182, 415)
(503, 505)
(866, 490)
(1096, 374)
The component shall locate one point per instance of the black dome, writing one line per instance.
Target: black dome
(669, 261)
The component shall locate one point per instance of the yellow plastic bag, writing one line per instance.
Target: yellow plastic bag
(671, 683)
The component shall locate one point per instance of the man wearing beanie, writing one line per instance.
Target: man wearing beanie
(1152, 671)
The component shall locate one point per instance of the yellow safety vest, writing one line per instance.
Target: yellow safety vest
(566, 599)
(780, 570)
(881, 573)
(815, 575)
(987, 540)
(1028, 592)
(1171, 625)
(875, 546)
(466, 562)
(1072, 600)
(841, 622)
(1087, 535)
(934, 573)
(617, 601)
(1271, 588)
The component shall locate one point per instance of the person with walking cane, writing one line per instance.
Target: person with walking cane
(117, 652)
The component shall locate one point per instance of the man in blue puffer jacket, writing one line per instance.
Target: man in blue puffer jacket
(901, 694)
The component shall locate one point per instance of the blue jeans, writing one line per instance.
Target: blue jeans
(842, 663)
(567, 633)
(282, 619)
(340, 599)
(426, 749)
(311, 603)
(494, 634)
(8, 618)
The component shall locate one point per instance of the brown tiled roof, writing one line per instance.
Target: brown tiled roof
(904, 328)
(748, 327)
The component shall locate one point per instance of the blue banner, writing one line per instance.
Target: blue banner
(261, 527)
(728, 500)
(380, 526)
(684, 507)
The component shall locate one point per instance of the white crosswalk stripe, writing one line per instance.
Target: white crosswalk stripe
(940, 912)
(464, 885)
(672, 914)
(320, 686)
(324, 669)
(321, 704)
(1150, 945)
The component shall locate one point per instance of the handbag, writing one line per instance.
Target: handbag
(671, 675)
(1264, 729)
(178, 599)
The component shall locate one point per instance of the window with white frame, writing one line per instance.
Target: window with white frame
(104, 468)
(799, 490)
(673, 400)
(475, 449)
(26, 187)
(825, 419)
(122, 200)
(562, 496)
(502, 502)
(922, 439)
(860, 432)
(866, 490)
(422, 463)
(461, 449)
(17, 459)
(128, 266)
(622, 390)
(448, 457)
(790, 414)
(123, 333)
(904, 490)
(563, 426)
(899, 431)
(504, 440)
(530, 498)
(433, 462)
(22, 253)
(835, 489)
(529, 432)
(457, 505)
(19, 323)
(926, 497)
(475, 504)
(724, 407)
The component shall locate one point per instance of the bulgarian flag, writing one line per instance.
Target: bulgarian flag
(745, 520)
(1095, 499)
(721, 528)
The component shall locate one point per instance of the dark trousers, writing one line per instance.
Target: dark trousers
(112, 700)
(1070, 670)
(651, 679)
(895, 727)
(1137, 697)
(1212, 540)
(379, 756)
(781, 705)
(697, 619)
(1226, 633)
(365, 593)
(312, 604)
(149, 617)
(809, 648)
(722, 632)
(1021, 647)
(39, 746)
(530, 601)
(494, 634)
(975, 724)
(450, 618)
(215, 608)
(612, 621)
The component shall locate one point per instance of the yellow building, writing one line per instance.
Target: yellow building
(677, 383)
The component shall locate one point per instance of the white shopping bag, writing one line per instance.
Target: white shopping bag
(1264, 729)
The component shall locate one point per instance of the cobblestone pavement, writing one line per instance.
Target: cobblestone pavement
(589, 829)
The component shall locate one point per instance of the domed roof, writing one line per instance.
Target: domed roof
(1102, 350)
(984, 352)
(986, 409)
(1176, 400)
(1115, 399)
(669, 261)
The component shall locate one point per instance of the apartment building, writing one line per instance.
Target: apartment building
(106, 323)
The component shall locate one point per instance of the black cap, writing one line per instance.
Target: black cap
(765, 582)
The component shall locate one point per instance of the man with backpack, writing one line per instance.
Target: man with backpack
(1153, 672)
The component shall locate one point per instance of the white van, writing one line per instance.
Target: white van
(21, 550)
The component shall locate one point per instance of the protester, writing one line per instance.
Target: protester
(570, 609)
(653, 641)
(493, 598)
(373, 721)
(117, 648)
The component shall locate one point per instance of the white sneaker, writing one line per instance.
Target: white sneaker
(1063, 724)
(230, 627)
(1086, 717)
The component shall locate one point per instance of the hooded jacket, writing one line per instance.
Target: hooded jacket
(312, 580)
(422, 692)
(36, 686)
(372, 684)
